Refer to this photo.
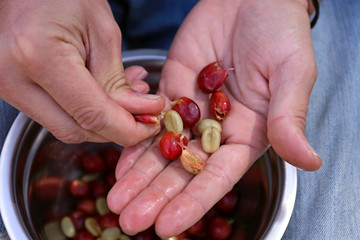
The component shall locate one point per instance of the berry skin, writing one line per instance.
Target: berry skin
(93, 163)
(80, 188)
(147, 118)
(220, 228)
(171, 145)
(211, 77)
(188, 110)
(228, 202)
(219, 105)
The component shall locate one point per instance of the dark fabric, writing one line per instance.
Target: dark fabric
(149, 24)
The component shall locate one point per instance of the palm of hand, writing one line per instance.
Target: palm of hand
(165, 194)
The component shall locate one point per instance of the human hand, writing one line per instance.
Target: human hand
(268, 43)
(61, 65)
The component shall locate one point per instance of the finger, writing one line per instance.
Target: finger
(129, 156)
(141, 212)
(222, 171)
(136, 76)
(287, 113)
(40, 107)
(107, 68)
(76, 91)
(137, 178)
(139, 175)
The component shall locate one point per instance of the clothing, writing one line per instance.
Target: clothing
(328, 200)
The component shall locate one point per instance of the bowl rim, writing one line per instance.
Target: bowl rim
(8, 209)
(12, 219)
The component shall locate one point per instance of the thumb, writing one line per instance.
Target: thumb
(107, 68)
(290, 95)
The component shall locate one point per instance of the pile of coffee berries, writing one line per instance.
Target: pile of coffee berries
(75, 208)
(86, 216)
(185, 113)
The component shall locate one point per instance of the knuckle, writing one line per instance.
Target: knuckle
(69, 136)
(111, 33)
(115, 81)
(90, 117)
(65, 132)
(23, 48)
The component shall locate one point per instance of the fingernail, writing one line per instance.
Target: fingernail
(148, 96)
(142, 75)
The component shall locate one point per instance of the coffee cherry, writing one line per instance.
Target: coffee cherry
(219, 105)
(211, 77)
(220, 228)
(188, 110)
(80, 188)
(228, 202)
(87, 206)
(172, 145)
(109, 220)
(147, 118)
(198, 227)
(78, 218)
(84, 235)
(93, 163)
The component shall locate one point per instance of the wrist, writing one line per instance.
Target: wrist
(312, 7)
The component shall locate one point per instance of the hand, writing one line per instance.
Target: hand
(268, 43)
(61, 65)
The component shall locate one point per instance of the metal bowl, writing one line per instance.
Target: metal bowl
(21, 165)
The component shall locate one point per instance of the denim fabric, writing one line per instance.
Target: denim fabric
(328, 200)
(7, 116)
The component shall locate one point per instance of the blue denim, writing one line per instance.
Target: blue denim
(328, 200)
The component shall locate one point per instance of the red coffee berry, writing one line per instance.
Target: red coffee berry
(211, 77)
(79, 188)
(78, 218)
(219, 105)
(109, 220)
(228, 202)
(111, 156)
(99, 189)
(148, 234)
(83, 235)
(220, 228)
(49, 188)
(188, 110)
(182, 236)
(198, 227)
(147, 118)
(87, 206)
(93, 163)
(171, 145)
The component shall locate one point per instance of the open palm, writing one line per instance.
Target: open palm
(268, 45)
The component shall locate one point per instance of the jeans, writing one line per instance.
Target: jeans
(328, 200)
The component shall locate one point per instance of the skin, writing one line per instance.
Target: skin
(268, 43)
(61, 65)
